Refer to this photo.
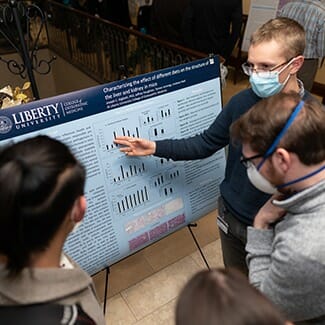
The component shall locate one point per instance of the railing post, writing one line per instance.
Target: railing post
(25, 55)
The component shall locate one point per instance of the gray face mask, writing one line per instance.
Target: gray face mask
(259, 181)
(253, 174)
(262, 184)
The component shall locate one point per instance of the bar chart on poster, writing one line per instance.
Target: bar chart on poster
(132, 201)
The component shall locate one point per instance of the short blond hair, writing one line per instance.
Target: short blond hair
(286, 31)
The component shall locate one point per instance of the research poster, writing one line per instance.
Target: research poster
(260, 12)
(132, 201)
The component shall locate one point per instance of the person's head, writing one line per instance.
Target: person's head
(275, 56)
(224, 297)
(42, 188)
(283, 141)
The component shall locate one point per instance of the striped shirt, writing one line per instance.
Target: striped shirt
(311, 15)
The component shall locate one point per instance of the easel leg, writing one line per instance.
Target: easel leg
(190, 226)
(106, 288)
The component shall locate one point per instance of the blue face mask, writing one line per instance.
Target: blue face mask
(267, 84)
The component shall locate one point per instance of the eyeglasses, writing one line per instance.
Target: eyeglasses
(265, 72)
(248, 161)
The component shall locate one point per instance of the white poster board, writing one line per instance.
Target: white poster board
(132, 201)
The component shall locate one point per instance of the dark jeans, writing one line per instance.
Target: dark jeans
(233, 235)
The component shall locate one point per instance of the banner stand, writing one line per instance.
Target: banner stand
(189, 227)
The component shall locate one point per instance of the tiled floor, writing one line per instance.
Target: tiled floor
(152, 301)
(144, 287)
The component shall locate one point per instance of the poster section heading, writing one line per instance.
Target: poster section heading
(132, 201)
(47, 112)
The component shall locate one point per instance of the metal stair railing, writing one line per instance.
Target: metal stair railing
(106, 51)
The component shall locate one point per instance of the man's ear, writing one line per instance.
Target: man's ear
(296, 64)
(79, 209)
(281, 160)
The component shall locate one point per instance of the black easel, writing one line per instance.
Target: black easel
(107, 271)
(190, 226)
(124, 74)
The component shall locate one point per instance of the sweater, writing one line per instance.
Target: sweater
(52, 285)
(287, 262)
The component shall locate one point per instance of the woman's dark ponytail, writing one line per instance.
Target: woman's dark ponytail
(12, 237)
(39, 181)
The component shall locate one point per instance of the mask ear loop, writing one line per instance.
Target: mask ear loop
(275, 143)
(288, 63)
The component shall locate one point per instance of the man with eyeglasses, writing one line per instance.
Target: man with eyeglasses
(274, 57)
(283, 150)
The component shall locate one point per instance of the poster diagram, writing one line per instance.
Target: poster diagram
(132, 201)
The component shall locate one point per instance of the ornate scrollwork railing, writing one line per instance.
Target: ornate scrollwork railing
(21, 25)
